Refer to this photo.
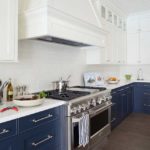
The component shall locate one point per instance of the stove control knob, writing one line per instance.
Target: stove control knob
(89, 103)
(104, 99)
(93, 102)
(74, 110)
(84, 107)
(79, 108)
(99, 101)
(108, 98)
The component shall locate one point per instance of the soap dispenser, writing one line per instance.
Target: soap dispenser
(140, 74)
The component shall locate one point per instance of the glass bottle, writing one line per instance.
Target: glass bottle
(9, 91)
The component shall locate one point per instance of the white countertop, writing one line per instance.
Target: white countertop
(25, 111)
(123, 83)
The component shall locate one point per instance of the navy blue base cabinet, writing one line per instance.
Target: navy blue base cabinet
(131, 98)
(40, 131)
(122, 99)
(142, 98)
(9, 144)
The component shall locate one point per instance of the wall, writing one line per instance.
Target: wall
(133, 69)
(40, 63)
(105, 70)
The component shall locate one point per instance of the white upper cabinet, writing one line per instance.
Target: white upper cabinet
(114, 22)
(144, 23)
(133, 24)
(133, 48)
(119, 53)
(8, 30)
(145, 47)
(138, 45)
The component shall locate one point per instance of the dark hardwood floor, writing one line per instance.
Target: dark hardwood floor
(132, 134)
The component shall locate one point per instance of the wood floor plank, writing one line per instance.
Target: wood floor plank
(132, 134)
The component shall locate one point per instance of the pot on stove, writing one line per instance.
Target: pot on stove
(61, 85)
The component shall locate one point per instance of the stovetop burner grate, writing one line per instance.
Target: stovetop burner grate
(90, 87)
(66, 96)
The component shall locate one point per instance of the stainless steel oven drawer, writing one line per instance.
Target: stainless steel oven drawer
(100, 136)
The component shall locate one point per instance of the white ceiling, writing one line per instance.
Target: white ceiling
(132, 6)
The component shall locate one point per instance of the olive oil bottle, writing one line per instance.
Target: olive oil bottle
(9, 91)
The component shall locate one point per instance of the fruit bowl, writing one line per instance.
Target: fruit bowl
(113, 80)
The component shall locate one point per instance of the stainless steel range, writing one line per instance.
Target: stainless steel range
(92, 102)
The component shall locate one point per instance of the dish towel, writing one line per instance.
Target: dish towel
(84, 130)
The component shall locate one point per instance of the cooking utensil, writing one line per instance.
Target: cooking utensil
(8, 108)
(68, 77)
(60, 86)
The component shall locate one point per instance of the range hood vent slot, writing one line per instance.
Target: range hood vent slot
(61, 41)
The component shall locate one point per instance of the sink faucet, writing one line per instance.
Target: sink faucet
(2, 86)
(140, 74)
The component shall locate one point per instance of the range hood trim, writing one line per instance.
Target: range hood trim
(48, 21)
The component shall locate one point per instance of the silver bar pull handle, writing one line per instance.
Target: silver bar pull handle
(114, 119)
(147, 105)
(41, 119)
(49, 137)
(113, 104)
(147, 93)
(4, 131)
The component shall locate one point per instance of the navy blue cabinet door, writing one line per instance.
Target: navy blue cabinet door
(123, 95)
(9, 144)
(138, 98)
(146, 101)
(116, 109)
(130, 100)
(45, 137)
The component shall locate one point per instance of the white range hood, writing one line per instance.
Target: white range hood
(49, 20)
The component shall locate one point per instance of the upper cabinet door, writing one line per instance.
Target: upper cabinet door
(133, 48)
(145, 23)
(133, 24)
(145, 47)
(8, 30)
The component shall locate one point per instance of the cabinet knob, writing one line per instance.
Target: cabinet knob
(4, 131)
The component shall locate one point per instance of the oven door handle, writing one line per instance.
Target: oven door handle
(96, 111)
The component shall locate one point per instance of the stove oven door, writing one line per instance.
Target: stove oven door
(75, 135)
(99, 124)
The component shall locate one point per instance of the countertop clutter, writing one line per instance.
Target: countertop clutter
(48, 104)
(25, 111)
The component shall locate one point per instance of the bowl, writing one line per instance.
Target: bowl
(128, 77)
(112, 82)
(28, 103)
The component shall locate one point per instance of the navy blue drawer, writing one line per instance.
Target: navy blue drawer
(38, 119)
(8, 129)
(146, 92)
(45, 138)
(142, 84)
